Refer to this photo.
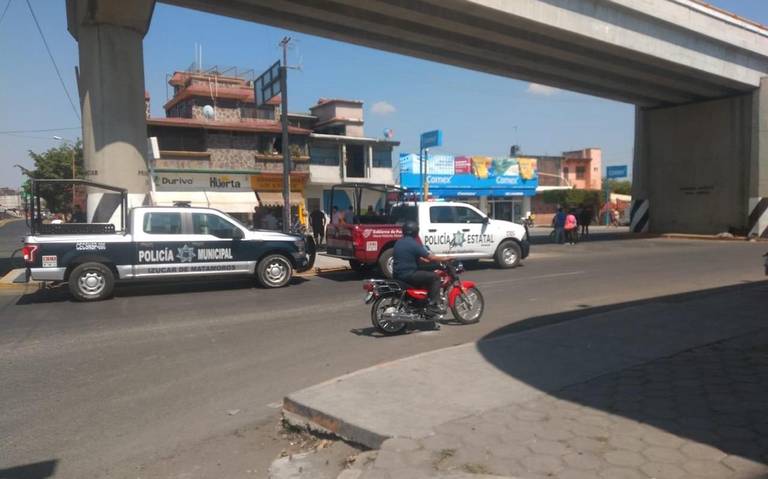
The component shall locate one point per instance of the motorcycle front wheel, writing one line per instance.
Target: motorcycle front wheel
(385, 326)
(468, 306)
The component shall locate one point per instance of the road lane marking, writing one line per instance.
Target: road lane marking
(543, 276)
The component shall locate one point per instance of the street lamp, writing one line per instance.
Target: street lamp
(72, 154)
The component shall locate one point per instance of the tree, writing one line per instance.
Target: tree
(622, 187)
(56, 163)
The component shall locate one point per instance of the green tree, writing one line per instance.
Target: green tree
(56, 163)
(622, 187)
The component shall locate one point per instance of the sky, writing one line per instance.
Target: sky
(479, 114)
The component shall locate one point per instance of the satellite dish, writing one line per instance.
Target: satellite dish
(388, 133)
(208, 112)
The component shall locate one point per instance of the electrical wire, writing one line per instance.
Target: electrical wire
(55, 67)
(8, 132)
(5, 10)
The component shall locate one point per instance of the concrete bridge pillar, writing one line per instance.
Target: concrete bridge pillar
(109, 34)
(702, 167)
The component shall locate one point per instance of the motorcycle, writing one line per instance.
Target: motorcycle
(396, 304)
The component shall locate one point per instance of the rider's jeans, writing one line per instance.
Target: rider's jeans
(427, 280)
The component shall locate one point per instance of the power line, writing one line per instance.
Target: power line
(55, 67)
(38, 131)
(5, 10)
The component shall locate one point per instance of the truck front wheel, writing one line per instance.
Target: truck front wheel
(91, 282)
(387, 262)
(274, 271)
(508, 255)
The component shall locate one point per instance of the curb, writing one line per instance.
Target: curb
(7, 280)
(9, 220)
(710, 237)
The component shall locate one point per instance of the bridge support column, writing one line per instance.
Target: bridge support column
(702, 167)
(109, 34)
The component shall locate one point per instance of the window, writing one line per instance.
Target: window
(402, 213)
(466, 215)
(162, 223)
(454, 214)
(382, 157)
(327, 155)
(441, 214)
(210, 224)
(581, 172)
(565, 171)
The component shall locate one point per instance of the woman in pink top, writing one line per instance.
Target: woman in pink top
(570, 227)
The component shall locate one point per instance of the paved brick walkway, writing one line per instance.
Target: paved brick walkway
(702, 413)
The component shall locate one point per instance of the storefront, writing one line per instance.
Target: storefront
(268, 188)
(231, 193)
(502, 187)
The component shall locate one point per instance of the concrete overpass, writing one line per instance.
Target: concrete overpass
(695, 74)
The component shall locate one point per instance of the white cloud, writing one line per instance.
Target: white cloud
(536, 89)
(383, 108)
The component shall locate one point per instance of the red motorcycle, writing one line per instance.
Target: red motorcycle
(396, 304)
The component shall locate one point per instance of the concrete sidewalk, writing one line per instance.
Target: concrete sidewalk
(675, 387)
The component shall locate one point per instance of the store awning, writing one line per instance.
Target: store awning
(232, 202)
(275, 198)
(170, 198)
(229, 202)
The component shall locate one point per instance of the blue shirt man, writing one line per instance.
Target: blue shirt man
(406, 254)
(559, 223)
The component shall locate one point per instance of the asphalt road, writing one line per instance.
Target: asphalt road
(164, 380)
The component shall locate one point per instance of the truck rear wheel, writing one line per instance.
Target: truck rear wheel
(387, 262)
(91, 282)
(274, 271)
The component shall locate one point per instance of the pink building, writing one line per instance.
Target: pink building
(583, 168)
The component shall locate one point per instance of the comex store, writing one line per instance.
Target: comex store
(502, 187)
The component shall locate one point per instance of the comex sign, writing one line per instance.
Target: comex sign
(201, 182)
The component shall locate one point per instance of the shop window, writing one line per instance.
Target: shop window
(327, 155)
(581, 172)
(162, 223)
(382, 157)
(209, 224)
(181, 139)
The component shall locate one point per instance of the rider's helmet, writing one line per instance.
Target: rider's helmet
(410, 228)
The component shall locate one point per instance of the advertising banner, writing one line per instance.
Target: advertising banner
(202, 182)
(472, 176)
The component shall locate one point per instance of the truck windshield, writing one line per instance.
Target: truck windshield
(402, 213)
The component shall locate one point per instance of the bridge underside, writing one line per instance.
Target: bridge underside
(601, 48)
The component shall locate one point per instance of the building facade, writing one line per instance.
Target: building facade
(218, 149)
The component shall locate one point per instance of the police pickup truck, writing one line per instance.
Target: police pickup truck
(447, 228)
(158, 243)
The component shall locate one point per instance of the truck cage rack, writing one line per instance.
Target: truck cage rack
(35, 217)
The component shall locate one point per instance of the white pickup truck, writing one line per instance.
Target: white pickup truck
(458, 229)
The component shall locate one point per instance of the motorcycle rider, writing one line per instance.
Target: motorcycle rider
(408, 251)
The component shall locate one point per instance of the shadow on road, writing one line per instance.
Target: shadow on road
(37, 470)
(60, 292)
(714, 392)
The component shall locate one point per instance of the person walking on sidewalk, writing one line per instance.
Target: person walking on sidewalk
(558, 222)
(571, 225)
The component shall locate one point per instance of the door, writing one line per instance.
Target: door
(219, 247)
(159, 244)
(472, 238)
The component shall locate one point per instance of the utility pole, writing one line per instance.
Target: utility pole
(286, 145)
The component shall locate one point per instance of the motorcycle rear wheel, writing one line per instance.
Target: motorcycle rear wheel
(385, 326)
(469, 309)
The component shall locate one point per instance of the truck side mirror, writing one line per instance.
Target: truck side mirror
(486, 220)
(237, 234)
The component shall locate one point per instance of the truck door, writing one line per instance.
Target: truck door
(219, 246)
(158, 241)
(438, 233)
(475, 232)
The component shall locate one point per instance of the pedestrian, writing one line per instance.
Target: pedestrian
(269, 221)
(337, 217)
(78, 216)
(585, 218)
(317, 221)
(370, 211)
(558, 222)
(571, 227)
(615, 217)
